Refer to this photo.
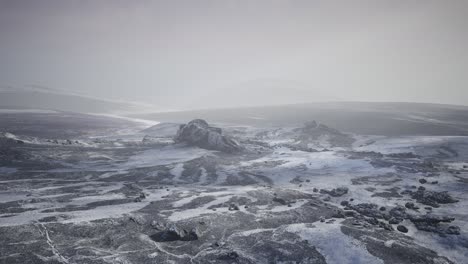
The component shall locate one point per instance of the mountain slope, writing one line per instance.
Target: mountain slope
(36, 97)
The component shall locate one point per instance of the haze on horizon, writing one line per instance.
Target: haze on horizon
(203, 54)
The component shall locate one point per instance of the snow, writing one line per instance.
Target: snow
(190, 213)
(177, 171)
(336, 247)
(221, 197)
(282, 208)
(425, 145)
(164, 156)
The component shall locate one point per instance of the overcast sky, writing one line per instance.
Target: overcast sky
(201, 53)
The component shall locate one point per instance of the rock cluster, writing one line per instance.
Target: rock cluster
(313, 131)
(198, 133)
(340, 191)
(432, 198)
(173, 233)
(432, 223)
(370, 213)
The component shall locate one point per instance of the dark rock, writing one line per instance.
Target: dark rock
(198, 133)
(339, 214)
(435, 182)
(395, 221)
(373, 221)
(431, 219)
(174, 234)
(434, 224)
(402, 229)
(349, 213)
(340, 191)
(215, 245)
(312, 131)
(367, 209)
(411, 205)
(315, 190)
(433, 198)
(385, 226)
(229, 256)
(453, 230)
(398, 212)
(421, 188)
(279, 200)
(382, 208)
(422, 181)
(403, 155)
(344, 203)
(233, 207)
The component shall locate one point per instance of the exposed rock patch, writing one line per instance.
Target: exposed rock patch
(198, 133)
(340, 191)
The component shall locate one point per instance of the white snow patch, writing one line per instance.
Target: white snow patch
(336, 247)
(164, 156)
(177, 171)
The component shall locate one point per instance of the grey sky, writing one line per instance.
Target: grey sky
(190, 54)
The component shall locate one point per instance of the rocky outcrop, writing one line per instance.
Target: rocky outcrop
(312, 132)
(432, 223)
(432, 198)
(340, 191)
(175, 234)
(198, 133)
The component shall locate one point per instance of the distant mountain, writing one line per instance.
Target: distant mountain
(38, 97)
(262, 92)
(370, 118)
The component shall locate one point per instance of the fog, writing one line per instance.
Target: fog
(205, 54)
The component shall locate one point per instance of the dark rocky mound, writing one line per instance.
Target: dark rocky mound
(432, 223)
(198, 133)
(313, 131)
(340, 191)
(432, 198)
(175, 234)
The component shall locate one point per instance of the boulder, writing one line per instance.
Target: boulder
(402, 229)
(198, 133)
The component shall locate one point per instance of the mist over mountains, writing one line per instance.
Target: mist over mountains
(39, 97)
(374, 118)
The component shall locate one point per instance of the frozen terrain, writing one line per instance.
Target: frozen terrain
(98, 189)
